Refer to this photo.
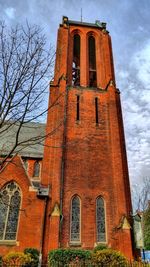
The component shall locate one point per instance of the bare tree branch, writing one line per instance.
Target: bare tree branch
(26, 66)
(141, 195)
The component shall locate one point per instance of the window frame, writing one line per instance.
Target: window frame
(104, 206)
(4, 240)
(76, 69)
(39, 173)
(94, 71)
(78, 242)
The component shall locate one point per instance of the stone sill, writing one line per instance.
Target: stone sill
(75, 244)
(9, 243)
(100, 243)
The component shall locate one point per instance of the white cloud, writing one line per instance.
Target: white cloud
(141, 62)
(10, 12)
(122, 74)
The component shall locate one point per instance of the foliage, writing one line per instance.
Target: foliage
(109, 257)
(63, 257)
(146, 220)
(99, 247)
(0, 260)
(16, 259)
(34, 254)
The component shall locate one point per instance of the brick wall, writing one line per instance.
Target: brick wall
(82, 157)
(31, 210)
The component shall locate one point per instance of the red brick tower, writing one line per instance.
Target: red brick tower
(85, 161)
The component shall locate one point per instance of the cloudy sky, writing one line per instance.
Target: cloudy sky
(129, 24)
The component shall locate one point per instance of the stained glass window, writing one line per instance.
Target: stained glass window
(36, 171)
(10, 199)
(100, 220)
(75, 219)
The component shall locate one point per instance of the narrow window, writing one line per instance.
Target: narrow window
(9, 211)
(92, 62)
(76, 61)
(36, 170)
(100, 220)
(96, 110)
(75, 219)
(78, 108)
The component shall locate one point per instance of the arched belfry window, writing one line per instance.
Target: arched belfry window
(100, 220)
(10, 200)
(92, 62)
(75, 219)
(36, 169)
(76, 60)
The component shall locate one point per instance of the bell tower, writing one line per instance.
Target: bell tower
(85, 162)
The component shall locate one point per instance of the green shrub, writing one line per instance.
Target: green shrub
(34, 254)
(109, 257)
(99, 247)
(0, 261)
(16, 259)
(64, 257)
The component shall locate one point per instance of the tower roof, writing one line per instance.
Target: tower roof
(97, 24)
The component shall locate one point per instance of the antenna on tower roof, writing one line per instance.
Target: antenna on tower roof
(81, 14)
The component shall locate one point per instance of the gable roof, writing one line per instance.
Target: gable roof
(31, 139)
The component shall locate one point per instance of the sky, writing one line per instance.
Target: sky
(128, 22)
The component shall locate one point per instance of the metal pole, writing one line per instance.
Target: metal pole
(143, 254)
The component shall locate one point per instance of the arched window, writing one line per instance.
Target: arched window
(92, 62)
(75, 219)
(76, 60)
(36, 170)
(100, 220)
(10, 200)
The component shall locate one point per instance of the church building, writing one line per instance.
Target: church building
(75, 194)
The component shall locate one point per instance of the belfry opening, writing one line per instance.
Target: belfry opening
(92, 61)
(76, 61)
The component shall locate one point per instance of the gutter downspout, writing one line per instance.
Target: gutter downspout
(63, 151)
(42, 232)
(63, 165)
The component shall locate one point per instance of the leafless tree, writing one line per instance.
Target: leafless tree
(26, 65)
(141, 195)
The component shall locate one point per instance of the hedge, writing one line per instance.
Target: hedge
(64, 257)
(16, 259)
(109, 257)
(34, 254)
